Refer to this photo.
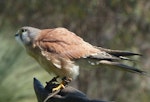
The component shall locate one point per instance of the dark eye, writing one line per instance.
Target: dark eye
(23, 30)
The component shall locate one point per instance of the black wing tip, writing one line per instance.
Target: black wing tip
(120, 52)
(128, 53)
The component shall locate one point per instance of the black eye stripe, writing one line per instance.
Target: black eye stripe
(21, 33)
(21, 36)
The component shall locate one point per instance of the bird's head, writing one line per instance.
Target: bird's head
(26, 35)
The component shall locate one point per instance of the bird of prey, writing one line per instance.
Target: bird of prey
(62, 52)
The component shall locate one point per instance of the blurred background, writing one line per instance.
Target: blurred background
(115, 24)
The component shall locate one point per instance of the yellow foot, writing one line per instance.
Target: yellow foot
(60, 86)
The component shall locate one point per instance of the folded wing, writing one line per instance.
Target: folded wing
(61, 43)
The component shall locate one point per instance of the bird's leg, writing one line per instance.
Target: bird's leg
(52, 84)
(53, 80)
(62, 85)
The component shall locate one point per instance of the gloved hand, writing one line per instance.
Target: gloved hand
(68, 94)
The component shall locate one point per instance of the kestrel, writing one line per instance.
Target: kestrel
(62, 52)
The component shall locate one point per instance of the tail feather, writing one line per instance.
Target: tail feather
(114, 57)
(124, 67)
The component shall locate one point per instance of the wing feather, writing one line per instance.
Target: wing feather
(64, 43)
(118, 52)
(59, 43)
